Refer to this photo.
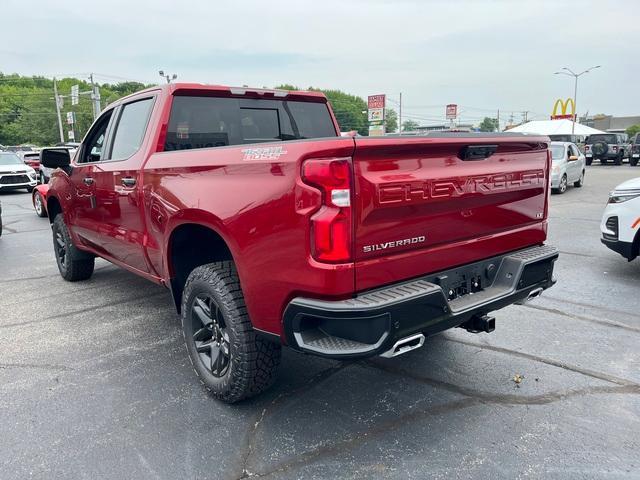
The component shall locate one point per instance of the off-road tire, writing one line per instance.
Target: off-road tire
(74, 265)
(589, 161)
(580, 181)
(252, 361)
(633, 161)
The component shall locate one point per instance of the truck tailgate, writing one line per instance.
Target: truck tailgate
(425, 204)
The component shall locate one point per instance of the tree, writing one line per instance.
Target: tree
(410, 126)
(489, 125)
(28, 110)
(390, 120)
(633, 130)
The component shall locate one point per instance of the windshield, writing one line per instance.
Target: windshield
(603, 138)
(10, 159)
(557, 152)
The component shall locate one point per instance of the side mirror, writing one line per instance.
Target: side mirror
(573, 158)
(55, 157)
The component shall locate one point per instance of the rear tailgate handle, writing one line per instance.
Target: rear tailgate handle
(477, 152)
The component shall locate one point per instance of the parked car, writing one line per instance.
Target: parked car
(634, 150)
(15, 174)
(620, 225)
(269, 228)
(606, 146)
(33, 160)
(39, 199)
(568, 166)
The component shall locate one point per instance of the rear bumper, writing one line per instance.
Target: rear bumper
(372, 322)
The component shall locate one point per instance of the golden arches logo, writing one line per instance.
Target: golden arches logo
(563, 108)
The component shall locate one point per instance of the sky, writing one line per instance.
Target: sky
(483, 56)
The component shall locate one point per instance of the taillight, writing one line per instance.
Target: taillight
(587, 148)
(331, 224)
(615, 148)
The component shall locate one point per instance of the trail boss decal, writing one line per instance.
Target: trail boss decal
(393, 244)
(263, 153)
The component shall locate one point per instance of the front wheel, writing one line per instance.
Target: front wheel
(580, 181)
(73, 264)
(232, 362)
(38, 204)
(30, 189)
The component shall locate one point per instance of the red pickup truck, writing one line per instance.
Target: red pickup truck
(271, 229)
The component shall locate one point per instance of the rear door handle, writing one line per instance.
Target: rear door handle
(87, 180)
(129, 182)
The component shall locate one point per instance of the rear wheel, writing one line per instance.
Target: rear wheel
(38, 204)
(73, 264)
(633, 161)
(580, 181)
(589, 160)
(232, 362)
(618, 159)
(562, 186)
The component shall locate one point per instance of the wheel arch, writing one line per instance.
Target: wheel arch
(191, 243)
(53, 207)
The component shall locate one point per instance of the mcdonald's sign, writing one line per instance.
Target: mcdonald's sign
(563, 109)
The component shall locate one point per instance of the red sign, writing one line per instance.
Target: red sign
(452, 111)
(376, 101)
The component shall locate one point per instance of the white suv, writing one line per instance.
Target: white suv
(620, 225)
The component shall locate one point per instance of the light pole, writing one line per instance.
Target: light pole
(571, 73)
(167, 77)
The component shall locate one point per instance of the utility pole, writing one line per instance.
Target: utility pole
(57, 99)
(400, 116)
(498, 119)
(95, 97)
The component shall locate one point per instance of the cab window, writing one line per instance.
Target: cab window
(93, 148)
(132, 124)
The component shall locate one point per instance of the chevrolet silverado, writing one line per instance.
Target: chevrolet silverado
(271, 229)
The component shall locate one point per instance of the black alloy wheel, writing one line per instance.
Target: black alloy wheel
(61, 250)
(210, 337)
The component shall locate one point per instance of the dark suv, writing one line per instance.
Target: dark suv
(634, 150)
(606, 146)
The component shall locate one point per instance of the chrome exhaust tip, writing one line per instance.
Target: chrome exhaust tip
(535, 293)
(404, 345)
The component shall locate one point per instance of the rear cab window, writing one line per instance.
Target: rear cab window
(205, 121)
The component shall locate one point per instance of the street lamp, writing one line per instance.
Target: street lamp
(167, 77)
(571, 73)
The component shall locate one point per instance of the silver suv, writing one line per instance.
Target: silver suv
(606, 146)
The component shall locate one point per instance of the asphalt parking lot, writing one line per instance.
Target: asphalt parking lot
(95, 381)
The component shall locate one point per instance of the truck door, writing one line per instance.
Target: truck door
(85, 217)
(118, 186)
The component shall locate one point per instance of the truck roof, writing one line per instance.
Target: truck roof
(225, 90)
